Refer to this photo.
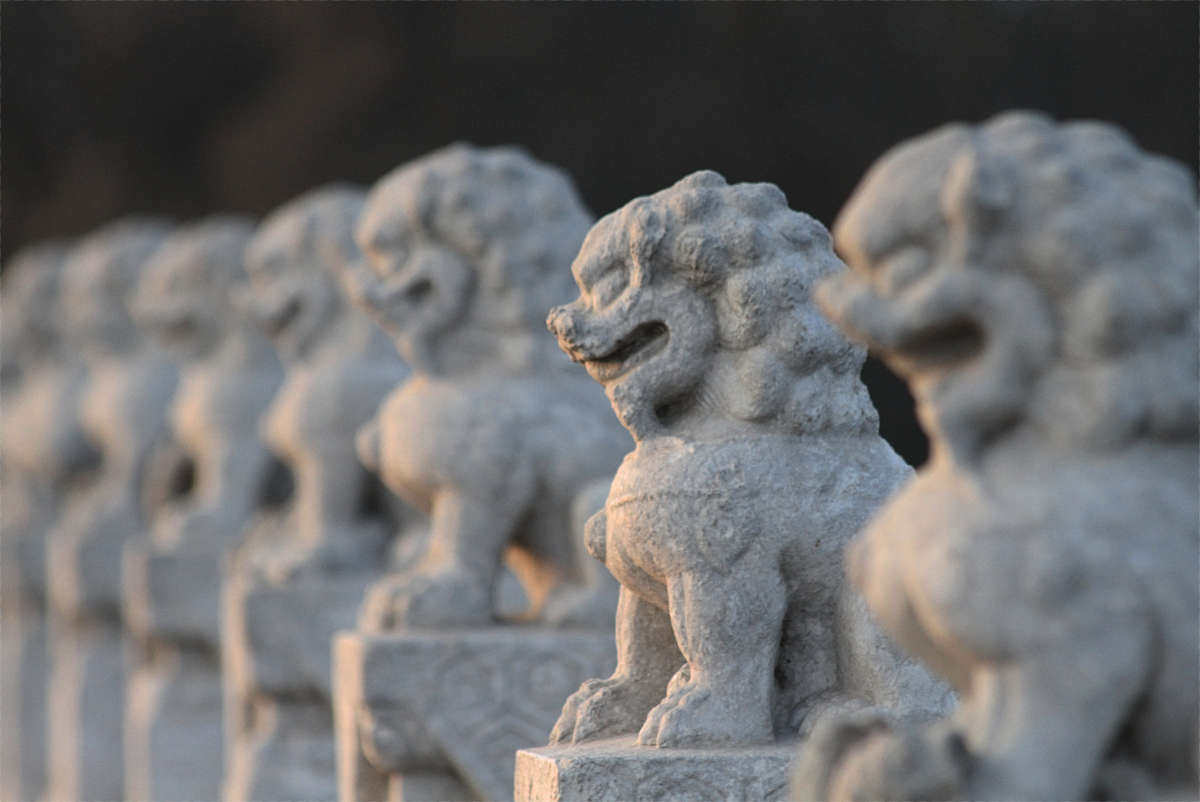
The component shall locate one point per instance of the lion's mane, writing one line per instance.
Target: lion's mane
(30, 286)
(104, 271)
(314, 232)
(1107, 234)
(757, 261)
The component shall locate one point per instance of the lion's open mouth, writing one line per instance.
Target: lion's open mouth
(943, 344)
(646, 340)
(179, 328)
(281, 317)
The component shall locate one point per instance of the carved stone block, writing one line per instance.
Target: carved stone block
(278, 687)
(618, 770)
(440, 715)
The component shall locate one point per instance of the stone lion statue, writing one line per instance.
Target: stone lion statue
(1036, 285)
(45, 449)
(758, 456)
(187, 303)
(494, 435)
(340, 366)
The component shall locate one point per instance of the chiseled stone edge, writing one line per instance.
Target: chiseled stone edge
(618, 769)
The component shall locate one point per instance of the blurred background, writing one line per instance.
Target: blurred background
(189, 108)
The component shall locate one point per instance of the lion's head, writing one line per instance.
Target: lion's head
(1024, 272)
(99, 280)
(28, 327)
(695, 300)
(296, 263)
(185, 300)
(472, 245)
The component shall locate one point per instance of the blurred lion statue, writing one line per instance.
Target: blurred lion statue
(494, 436)
(1036, 285)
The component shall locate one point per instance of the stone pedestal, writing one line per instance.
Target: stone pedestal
(85, 697)
(173, 723)
(618, 770)
(439, 715)
(86, 680)
(23, 666)
(278, 693)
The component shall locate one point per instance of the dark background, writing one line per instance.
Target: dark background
(189, 108)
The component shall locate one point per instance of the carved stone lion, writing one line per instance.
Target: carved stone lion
(339, 367)
(494, 435)
(187, 304)
(1036, 284)
(758, 456)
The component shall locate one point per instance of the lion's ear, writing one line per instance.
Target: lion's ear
(977, 192)
(646, 230)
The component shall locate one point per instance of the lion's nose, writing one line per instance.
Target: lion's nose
(563, 324)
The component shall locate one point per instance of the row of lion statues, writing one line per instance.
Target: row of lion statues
(346, 502)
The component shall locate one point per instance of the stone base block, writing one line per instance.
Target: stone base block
(85, 701)
(619, 770)
(422, 715)
(279, 720)
(173, 729)
(172, 595)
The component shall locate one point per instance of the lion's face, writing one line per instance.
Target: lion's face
(94, 300)
(29, 324)
(421, 289)
(176, 302)
(294, 305)
(649, 341)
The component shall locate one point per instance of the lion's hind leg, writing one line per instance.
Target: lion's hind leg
(728, 625)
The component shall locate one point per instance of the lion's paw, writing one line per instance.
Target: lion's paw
(864, 755)
(601, 708)
(695, 715)
(443, 600)
(903, 765)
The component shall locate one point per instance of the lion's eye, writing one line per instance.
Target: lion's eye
(609, 287)
(900, 268)
(386, 244)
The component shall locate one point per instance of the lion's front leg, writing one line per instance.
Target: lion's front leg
(728, 625)
(646, 658)
(1001, 743)
(452, 584)
(1090, 683)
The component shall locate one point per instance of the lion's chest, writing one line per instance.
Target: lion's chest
(675, 508)
(217, 406)
(309, 410)
(437, 435)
